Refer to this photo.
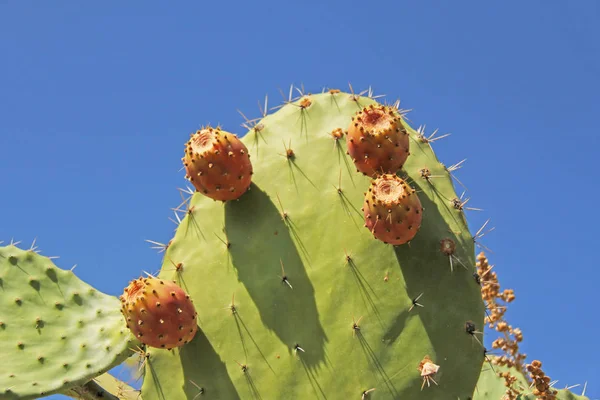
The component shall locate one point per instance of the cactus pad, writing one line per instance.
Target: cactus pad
(295, 297)
(56, 331)
(493, 386)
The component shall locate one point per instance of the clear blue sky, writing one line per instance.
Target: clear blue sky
(97, 101)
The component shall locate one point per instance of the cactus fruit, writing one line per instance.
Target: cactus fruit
(299, 299)
(159, 312)
(56, 332)
(218, 164)
(392, 210)
(378, 141)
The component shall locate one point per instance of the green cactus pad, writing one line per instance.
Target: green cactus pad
(297, 215)
(56, 331)
(492, 387)
(563, 394)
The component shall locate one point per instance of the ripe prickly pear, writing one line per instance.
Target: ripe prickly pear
(392, 210)
(218, 164)
(159, 312)
(377, 140)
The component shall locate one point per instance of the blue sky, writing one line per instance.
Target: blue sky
(96, 102)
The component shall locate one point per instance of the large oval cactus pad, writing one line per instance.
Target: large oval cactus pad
(296, 338)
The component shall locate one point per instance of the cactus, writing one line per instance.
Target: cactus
(296, 297)
(326, 254)
(500, 382)
(56, 332)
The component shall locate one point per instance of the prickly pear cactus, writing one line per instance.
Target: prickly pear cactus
(297, 299)
(56, 332)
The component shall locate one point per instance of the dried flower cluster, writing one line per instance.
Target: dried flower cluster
(541, 382)
(496, 300)
(511, 393)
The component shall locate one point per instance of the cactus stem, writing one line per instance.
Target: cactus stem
(415, 302)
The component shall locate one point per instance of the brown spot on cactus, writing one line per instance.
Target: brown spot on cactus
(218, 164)
(159, 322)
(392, 210)
(377, 140)
(447, 246)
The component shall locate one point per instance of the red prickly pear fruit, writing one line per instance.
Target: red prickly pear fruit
(159, 312)
(377, 140)
(218, 164)
(392, 210)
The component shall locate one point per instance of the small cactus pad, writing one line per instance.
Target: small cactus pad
(218, 164)
(378, 141)
(159, 312)
(499, 382)
(295, 297)
(56, 331)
